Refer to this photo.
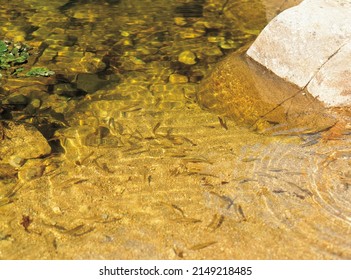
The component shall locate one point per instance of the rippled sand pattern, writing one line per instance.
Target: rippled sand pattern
(305, 195)
(146, 174)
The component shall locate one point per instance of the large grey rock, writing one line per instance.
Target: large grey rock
(332, 83)
(309, 45)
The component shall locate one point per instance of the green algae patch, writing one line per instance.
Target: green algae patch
(14, 58)
(39, 72)
(3, 47)
(12, 55)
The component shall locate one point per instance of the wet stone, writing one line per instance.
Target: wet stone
(23, 141)
(215, 51)
(7, 171)
(16, 161)
(126, 42)
(125, 33)
(132, 63)
(92, 63)
(33, 106)
(229, 44)
(240, 89)
(215, 39)
(92, 82)
(31, 170)
(67, 89)
(57, 210)
(250, 14)
(180, 21)
(178, 79)
(18, 99)
(187, 57)
(191, 33)
(35, 103)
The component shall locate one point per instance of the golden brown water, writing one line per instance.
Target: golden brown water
(145, 173)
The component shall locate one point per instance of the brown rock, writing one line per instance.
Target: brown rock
(187, 57)
(23, 141)
(240, 89)
(178, 79)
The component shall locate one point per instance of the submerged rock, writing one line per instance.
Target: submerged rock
(249, 16)
(187, 57)
(191, 9)
(178, 79)
(91, 83)
(16, 99)
(22, 141)
(244, 91)
(31, 170)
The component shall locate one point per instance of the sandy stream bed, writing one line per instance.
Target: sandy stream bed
(146, 174)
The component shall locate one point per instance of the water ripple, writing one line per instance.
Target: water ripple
(306, 191)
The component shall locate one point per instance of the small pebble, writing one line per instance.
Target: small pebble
(230, 44)
(191, 33)
(137, 61)
(180, 21)
(125, 33)
(187, 57)
(31, 173)
(56, 210)
(35, 103)
(178, 79)
(213, 52)
(215, 39)
(16, 161)
(127, 42)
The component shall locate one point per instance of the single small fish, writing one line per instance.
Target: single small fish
(223, 123)
(202, 245)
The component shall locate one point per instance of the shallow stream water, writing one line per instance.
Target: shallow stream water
(138, 169)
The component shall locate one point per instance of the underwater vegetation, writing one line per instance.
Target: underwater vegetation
(14, 55)
(39, 71)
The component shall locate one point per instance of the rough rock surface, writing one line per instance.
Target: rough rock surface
(249, 16)
(23, 141)
(332, 83)
(242, 90)
(305, 45)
